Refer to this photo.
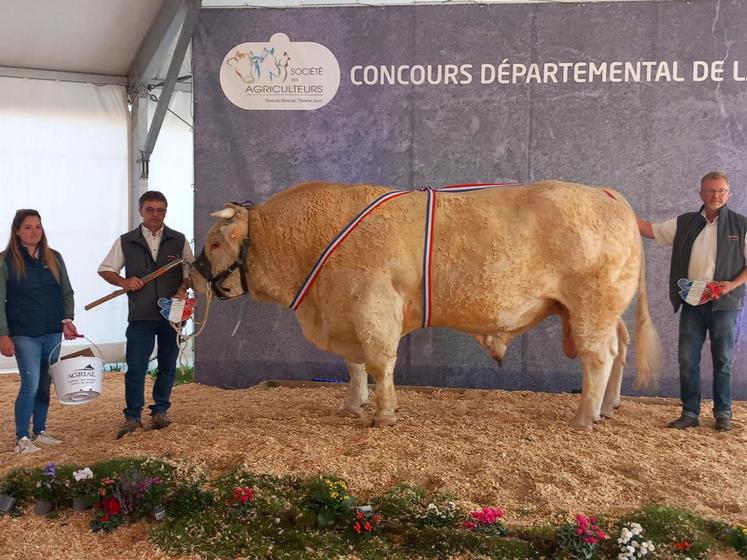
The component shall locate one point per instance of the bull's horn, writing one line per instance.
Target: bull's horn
(226, 213)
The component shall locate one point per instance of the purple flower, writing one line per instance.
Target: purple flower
(50, 470)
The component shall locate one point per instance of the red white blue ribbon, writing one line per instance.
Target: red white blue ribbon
(430, 218)
(336, 242)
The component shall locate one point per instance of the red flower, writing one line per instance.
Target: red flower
(359, 515)
(368, 526)
(684, 545)
(112, 506)
(357, 527)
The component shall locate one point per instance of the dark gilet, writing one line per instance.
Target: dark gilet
(34, 303)
(143, 303)
(732, 228)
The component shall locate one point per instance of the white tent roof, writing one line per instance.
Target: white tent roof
(82, 36)
(103, 36)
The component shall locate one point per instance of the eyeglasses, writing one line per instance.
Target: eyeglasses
(151, 210)
(710, 192)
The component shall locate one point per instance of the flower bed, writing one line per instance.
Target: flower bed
(243, 514)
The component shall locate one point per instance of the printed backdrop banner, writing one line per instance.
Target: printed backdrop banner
(645, 97)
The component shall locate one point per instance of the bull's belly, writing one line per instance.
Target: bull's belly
(491, 321)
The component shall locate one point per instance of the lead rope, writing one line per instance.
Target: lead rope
(182, 340)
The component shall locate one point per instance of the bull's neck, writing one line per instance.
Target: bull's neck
(276, 272)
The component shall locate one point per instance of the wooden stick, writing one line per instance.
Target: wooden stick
(147, 278)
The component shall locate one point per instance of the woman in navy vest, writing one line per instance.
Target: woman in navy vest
(37, 308)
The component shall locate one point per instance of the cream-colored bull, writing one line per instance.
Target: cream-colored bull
(503, 260)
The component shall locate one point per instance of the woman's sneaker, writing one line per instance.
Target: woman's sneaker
(45, 439)
(25, 445)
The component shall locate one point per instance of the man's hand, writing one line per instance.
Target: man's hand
(645, 229)
(7, 348)
(132, 284)
(726, 286)
(181, 293)
(69, 331)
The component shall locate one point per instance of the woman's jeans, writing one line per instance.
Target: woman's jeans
(32, 357)
(721, 326)
(141, 337)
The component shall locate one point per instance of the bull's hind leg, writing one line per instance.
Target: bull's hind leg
(597, 357)
(357, 391)
(611, 399)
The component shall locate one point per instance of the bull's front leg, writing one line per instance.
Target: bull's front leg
(357, 391)
(386, 399)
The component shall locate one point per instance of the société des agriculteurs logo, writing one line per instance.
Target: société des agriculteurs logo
(280, 75)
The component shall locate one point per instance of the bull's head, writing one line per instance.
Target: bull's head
(222, 265)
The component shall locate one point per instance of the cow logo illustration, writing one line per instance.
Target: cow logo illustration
(280, 75)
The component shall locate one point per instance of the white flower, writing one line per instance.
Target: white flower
(83, 474)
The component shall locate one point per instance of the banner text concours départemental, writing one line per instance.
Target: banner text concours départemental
(581, 72)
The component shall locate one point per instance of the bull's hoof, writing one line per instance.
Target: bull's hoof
(581, 425)
(349, 412)
(598, 419)
(608, 413)
(384, 421)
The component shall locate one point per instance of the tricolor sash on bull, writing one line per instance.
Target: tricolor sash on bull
(430, 217)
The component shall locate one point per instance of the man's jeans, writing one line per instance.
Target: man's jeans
(32, 357)
(695, 321)
(141, 336)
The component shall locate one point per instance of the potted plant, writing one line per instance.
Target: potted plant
(241, 501)
(142, 495)
(153, 499)
(46, 491)
(7, 502)
(83, 489)
(109, 513)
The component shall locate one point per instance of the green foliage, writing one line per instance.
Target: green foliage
(580, 540)
(20, 484)
(184, 374)
(285, 521)
(327, 500)
(542, 538)
(401, 502)
(189, 499)
(431, 542)
(736, 536)
(675, 531)
(440, 513)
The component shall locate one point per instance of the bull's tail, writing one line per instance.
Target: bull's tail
(647, 344)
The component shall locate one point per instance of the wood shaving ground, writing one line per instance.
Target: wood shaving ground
(513, 450)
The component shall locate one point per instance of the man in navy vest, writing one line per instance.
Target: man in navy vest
(141, 251)
(708, 245)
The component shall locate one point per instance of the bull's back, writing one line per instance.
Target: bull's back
(498, 252)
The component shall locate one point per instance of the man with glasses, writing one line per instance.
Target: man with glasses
(142, 251)
(708, 245)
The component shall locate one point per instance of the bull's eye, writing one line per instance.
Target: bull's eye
(214, 245)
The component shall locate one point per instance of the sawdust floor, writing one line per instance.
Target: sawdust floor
(514, 450)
